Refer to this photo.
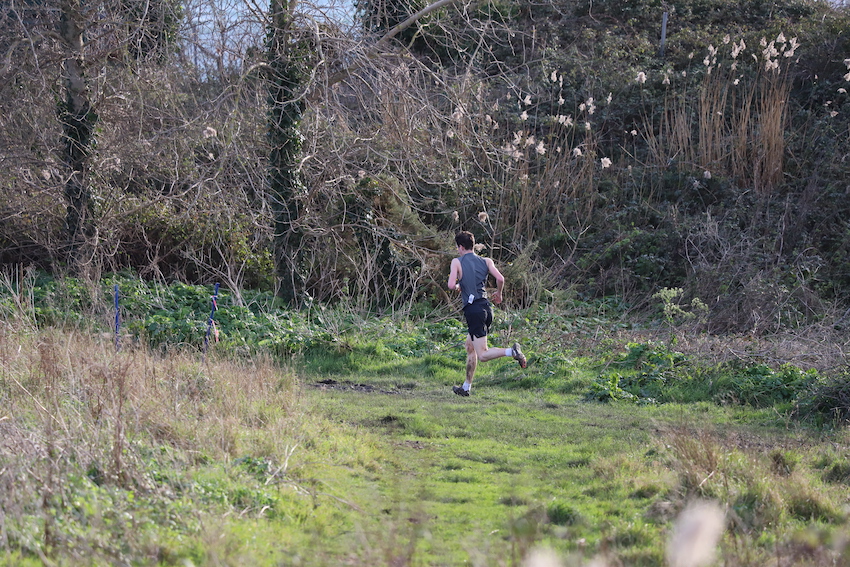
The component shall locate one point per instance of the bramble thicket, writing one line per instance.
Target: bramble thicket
(330, 156)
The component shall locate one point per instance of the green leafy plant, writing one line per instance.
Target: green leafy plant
(649, 373)
(759, 385)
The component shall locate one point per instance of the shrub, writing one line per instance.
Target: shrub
(653, 373)
(759, 385)
(656, 376)
(826, 401)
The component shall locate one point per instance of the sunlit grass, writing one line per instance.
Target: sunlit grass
(361, 453)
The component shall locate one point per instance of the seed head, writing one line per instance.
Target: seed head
(695, 535)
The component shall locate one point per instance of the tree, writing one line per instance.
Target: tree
(151, 26)
(288, 57)
(78, 119)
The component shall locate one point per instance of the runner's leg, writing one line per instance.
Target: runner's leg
(471, 359)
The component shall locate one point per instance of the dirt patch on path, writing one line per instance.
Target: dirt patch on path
(331, 384)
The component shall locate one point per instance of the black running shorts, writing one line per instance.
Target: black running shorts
(479, 317)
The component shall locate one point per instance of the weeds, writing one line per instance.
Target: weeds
(102, 438)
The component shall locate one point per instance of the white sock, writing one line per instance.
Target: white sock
(509, 351)
(467, 386)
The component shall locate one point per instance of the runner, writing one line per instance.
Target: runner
(468, 276)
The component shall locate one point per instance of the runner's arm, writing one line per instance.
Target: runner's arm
(500, 280)
(454, 275)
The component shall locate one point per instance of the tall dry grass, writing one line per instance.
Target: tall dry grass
(75, 415)
(539, 163)
(762, 484)
(734, 123)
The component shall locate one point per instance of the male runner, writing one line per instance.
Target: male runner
(468, 276)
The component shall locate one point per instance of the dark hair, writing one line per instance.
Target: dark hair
(465, 239)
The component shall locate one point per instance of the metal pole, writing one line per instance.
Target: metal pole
(663, 32)
(117, 321)
(210, 321)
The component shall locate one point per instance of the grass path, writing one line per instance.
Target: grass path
(496, 473)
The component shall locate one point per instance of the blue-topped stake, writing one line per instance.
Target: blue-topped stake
(210, 321)
(117, 321)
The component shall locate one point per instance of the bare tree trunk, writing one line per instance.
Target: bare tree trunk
(78, 120)
(287, 77)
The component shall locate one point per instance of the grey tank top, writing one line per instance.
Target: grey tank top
(473, 276)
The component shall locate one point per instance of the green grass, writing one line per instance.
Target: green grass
(526, 466)
(356, 451)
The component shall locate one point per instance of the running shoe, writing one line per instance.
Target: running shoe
(518, 356)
